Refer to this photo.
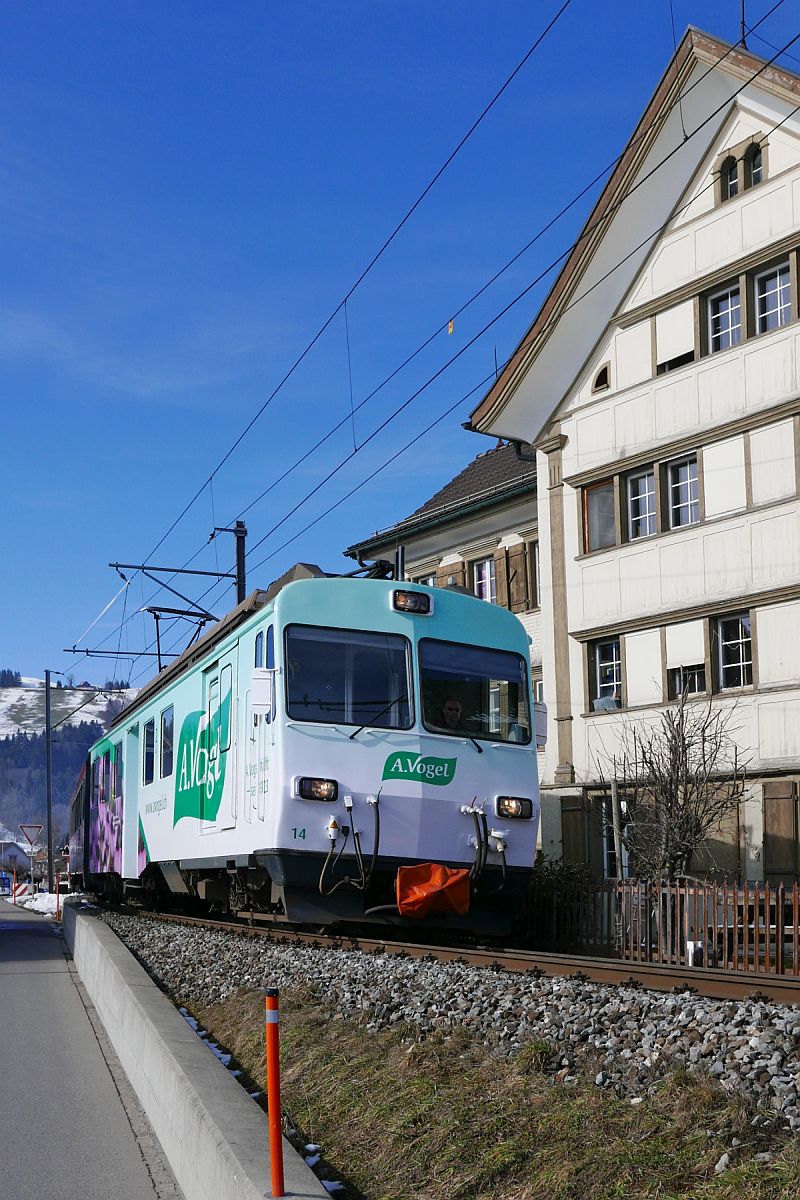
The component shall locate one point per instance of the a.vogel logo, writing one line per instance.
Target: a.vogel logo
(439, 771)
(202, 759)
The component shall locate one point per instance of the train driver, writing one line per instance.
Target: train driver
(451, 713)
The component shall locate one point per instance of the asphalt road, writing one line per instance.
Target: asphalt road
(67, 1126)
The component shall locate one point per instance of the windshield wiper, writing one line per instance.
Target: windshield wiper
(385, 709)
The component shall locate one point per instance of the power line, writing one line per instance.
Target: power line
(388, 241)
(489, 378)
(497, 275)
(538, 279)
(520, 295)
(89, 700)
(362, 276)
(548, 325)
(343, 499)
(475, 295)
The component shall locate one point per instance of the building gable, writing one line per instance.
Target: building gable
(655, 323)
(625, 232)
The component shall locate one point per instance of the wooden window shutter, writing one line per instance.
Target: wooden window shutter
(501, 578)
(518, 578)
(595, 831)
(573, 830)
(454, 573)
(780, 831)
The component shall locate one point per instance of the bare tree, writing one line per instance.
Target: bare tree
(679, 778)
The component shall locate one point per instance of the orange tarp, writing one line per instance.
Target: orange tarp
(430, 887)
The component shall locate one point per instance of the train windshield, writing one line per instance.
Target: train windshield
(469, 691)
(348, 677)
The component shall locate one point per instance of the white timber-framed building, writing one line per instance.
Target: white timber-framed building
(660, 387)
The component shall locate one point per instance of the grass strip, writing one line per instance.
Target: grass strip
(446, 1119)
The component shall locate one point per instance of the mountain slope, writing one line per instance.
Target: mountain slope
(78, 716)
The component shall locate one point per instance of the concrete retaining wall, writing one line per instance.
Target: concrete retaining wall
(213, 1134)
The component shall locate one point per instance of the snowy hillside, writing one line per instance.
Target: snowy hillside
(22, 708)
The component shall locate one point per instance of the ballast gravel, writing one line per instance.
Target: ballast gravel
(626, 1038)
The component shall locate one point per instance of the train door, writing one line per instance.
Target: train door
(116, 806)
(259, 729)
(219, 809)
(130, 810)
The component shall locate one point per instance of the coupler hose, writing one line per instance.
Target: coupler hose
(332, 865)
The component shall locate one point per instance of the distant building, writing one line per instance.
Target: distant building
(13, 857)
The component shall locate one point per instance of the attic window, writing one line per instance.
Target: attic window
(753, 165)
(729, 178)
(742, 167)
(602, 380)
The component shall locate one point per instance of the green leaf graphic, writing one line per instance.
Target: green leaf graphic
(201, 764)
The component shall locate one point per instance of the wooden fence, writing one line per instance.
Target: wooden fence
(732, 926)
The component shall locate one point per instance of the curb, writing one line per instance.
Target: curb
(214, 1136)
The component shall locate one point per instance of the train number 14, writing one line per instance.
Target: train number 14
(299, 834)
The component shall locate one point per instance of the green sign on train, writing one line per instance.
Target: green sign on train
(202, 759)
(407, 765)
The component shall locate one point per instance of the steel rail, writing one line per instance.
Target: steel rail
(705, 981)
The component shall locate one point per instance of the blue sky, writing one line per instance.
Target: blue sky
(188, 190)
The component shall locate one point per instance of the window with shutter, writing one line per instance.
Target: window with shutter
(484, 583)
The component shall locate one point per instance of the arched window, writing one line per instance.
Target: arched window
(602, 379)
(729, 178)
(258, 660)
(753, 165)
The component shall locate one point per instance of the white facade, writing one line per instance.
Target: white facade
(669, 472)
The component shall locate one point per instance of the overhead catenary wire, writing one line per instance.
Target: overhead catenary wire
(365, 272)
(577, 300)
(368, 479)
(492, 280)
(472, 341)
(489, 378)
(481, 290)
(368, 268)
(516, 299)
(89, 700)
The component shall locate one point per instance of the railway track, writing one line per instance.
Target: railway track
(705, 981)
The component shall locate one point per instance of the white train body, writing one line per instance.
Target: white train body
(315, 742)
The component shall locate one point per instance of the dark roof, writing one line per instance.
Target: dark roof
(494, 469)
(489, 479)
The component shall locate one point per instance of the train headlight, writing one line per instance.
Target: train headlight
(317, 789)
(412, 602)
(514, 806)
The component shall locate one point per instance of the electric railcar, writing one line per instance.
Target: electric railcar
(335, 750)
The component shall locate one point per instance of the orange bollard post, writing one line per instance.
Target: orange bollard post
(58, 898)
(274, 1092)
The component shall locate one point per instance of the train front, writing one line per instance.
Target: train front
(406, 788)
